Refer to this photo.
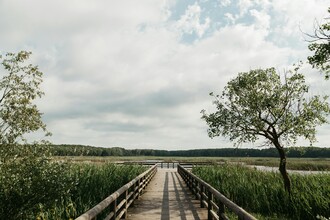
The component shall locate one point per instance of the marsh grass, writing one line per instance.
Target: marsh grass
(315, 164)
(263, 192)
(92, 183)
(96, 182)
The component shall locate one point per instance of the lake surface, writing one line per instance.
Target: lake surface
(275, 169)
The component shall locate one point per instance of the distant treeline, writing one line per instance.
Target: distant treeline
(81, 150)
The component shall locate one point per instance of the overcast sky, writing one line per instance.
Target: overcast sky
(136, 74)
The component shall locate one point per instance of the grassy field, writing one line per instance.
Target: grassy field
(317, 164)
(263, 194)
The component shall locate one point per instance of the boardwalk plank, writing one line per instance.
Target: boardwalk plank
(167, 197)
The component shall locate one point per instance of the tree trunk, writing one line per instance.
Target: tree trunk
(282, 167)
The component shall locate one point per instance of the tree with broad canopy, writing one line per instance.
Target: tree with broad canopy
(260, 103)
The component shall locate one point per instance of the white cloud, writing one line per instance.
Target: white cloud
(262, 19)
(295, 15)
(258, 9)
(117, 74)
(244, 6)
(224, 3)
(191, 21)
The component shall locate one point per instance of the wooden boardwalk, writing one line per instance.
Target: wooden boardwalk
(167, 197)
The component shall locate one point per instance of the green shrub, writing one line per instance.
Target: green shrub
(30, 181)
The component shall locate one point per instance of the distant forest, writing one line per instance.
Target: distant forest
(81, 150)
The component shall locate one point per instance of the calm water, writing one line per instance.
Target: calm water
(275, 169)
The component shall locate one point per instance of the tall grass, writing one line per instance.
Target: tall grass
(96, 182)
(263, 192)
(317, 164)
(93, 183)
(58, 190)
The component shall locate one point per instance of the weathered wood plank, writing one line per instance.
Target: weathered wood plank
(167, 197)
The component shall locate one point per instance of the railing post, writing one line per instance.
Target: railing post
(221, 211)
(193, 186)
(197, 190)
(133, 196)
(126, 204)
(201, 195)
(144, 181)
(161, 165)
(114, 209)
(209, 205)
(138, 188)
(189, 181)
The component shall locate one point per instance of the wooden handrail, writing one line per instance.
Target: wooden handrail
(122, 198)
(162, 164)
(211, 198)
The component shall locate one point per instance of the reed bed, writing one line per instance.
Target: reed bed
(311, 164)
(263, 193)
(71, 190)
(98, 181)
(316, 164)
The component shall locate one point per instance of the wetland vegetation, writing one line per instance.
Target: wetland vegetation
(262, 193)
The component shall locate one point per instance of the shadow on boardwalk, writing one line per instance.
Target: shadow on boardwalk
(167, 197)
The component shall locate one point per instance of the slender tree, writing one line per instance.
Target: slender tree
(259, 103)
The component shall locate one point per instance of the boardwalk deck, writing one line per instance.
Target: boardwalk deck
(167, 197)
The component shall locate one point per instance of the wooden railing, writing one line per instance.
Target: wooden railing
(172, 164)
(117, 203)
(150, 163)
(211, 198)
